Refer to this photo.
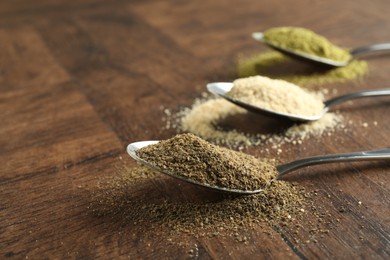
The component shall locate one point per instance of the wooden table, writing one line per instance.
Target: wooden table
(79, 80)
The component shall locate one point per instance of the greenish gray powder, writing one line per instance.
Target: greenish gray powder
(305, 41)
(276, 65)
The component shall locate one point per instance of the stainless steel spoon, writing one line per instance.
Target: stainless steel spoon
(223, 88)
(360, 51)
(282, 169)
(133, 147)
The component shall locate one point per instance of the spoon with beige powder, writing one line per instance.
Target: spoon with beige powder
(194, 160)
(282, 99)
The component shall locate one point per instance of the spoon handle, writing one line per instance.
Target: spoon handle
(370, 48)
(367, 93)
(356, 156)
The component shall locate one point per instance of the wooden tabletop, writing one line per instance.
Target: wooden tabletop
(79, 80)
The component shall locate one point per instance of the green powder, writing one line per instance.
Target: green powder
(305, 41)
(276, 65)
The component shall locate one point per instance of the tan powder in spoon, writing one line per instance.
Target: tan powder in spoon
(276, 95)
(189, 156)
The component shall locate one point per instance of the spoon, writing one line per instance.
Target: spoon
(282, 169)
(133, 147)
(360, 51)
(223, 88)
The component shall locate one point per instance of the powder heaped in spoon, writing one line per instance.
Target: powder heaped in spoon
(305, 41)
(276, 95)
(191, 157)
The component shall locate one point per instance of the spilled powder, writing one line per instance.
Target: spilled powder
(193, 158)
(316, 128)
(276, 65)
(276, 95)
(204, 117)
(136, 201)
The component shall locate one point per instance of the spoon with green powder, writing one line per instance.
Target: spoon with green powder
(305, 45)
(281, 99)
(192, 159)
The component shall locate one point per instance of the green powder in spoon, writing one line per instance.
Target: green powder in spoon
(305, 41)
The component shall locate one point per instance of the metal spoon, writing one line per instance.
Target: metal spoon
(282, 169)
(133, 147)
(223, 88)
(360, 51)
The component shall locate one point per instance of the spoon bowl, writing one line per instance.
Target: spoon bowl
(317, 60)
(223, 88)
(281, 169)
(133, 147)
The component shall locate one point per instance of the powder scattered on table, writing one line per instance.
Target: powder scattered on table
(305, 41)
(193, 158)
(315, 128)
(204, 119)
(276, 95)
(137, 202)
(282, 203)
(278, 66)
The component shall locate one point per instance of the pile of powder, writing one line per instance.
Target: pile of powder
(278, 66)
(276, 95)
(317, 128)
(121, 198)
(205, 116)
(191, 157)
(305, 41)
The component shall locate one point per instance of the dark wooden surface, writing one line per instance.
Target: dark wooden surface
(79, 80)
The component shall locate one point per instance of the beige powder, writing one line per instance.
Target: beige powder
(276, 95)
(206, 114)
(203, 117)
(328, 121)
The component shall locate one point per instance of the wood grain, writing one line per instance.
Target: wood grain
(80, 80)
